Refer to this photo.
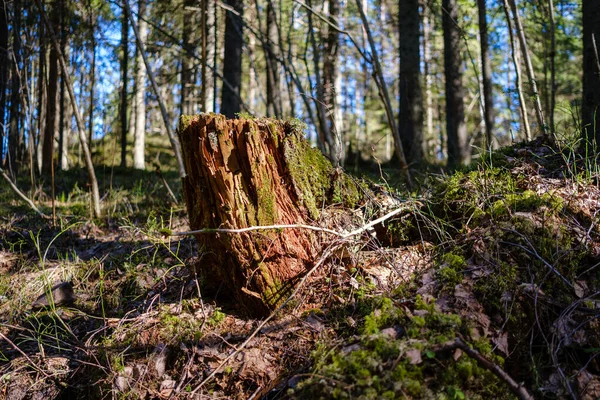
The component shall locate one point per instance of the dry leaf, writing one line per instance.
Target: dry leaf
(414, 356)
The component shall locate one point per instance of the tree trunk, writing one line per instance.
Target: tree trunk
(325, 141)
(92, 98)
(4, 65)
(80, 126)
(15, 98)
(486, 75)
(459, 152)
(331, 81)
(211, 56)
(139, 160)
(516, 63)
(51, 120)
(63, 126)
(272, 68)
(188, 69)
(232, 61)
(552, 65)
(428, 96)
(410, 121)
(245, 173)
(124, 68)
(529, 68)
(590, 106)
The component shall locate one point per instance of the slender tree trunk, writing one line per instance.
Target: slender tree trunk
(232, 61)
(163, 110)
(203, 53)
(124, 78)
(410, 121)
(552, 65)
(325, 140)
(590, 106)
(15, 98)
(331, 71)
(65, 117)
(459, 152)
(427, 45)
(41, 104)
(139, 159)
(80, 125)
(486, 75)
(4, 66)
(51, 120)
(188, 69)
(92, 98)
(272, 69)
(516, 64)
(62, 135)
(213, 26)
(253, 86)
(529, 67)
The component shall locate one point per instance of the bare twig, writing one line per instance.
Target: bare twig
(531, 250)
(296, 226)
(14, 346)
(517, 389)
(21, 195)
(165, 183)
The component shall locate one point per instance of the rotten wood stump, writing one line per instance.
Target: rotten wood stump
(256, 172)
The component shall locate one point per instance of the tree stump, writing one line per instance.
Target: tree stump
(256, 172)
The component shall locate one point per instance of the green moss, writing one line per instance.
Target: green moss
(450, 271)
(310, 172)
(185, 121)
(267, 212)
(380, 368)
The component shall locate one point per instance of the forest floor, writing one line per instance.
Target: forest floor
(488, 288)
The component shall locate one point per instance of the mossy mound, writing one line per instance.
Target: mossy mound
(516, 277)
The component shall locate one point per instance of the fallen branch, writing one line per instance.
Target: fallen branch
(294, 226)
(517, 389)
(22, 196)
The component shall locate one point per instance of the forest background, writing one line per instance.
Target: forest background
(428, 81)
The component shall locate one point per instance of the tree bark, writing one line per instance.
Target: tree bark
(245, 173)
(590, 105)
(232, 61)
(486, 75)
(410, 121)
(124, 70)
(459, 152)
(139, 159)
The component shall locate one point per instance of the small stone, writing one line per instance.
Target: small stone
(60, 295)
